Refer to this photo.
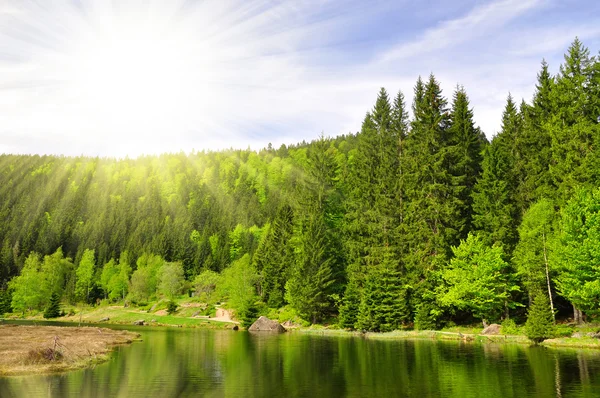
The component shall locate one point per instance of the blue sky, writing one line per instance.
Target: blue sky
(117, 78)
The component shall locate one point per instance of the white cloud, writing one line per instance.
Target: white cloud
(110, 79)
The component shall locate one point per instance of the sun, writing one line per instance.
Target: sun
(138, 75)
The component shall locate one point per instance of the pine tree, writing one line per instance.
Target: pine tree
(53, 309)
(309, 286)
(433, 215)
(383, 307)
(465, 157)
(495, 211)
(540, 323)
(573, 125)
(534, 145)
(375, 204)
(275, 257)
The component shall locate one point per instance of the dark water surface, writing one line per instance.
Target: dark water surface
(220, 363)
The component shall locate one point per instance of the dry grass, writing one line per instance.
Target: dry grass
(42, 349)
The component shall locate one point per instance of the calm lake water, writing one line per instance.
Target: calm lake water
(220, 363)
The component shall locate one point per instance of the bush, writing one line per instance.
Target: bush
(171, 307)
(563, 331)
(509, 327)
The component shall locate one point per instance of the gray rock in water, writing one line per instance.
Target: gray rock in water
(141, 322)
(264, 324)
(493, 329)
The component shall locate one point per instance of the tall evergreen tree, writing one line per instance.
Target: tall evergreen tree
(465, 158)
(434, 211)
(495, 211)
(573, 124)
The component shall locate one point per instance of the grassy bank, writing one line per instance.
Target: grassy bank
(154, 314)
(45, 349)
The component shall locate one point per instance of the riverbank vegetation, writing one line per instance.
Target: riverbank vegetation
(35, 349)
(414, 222)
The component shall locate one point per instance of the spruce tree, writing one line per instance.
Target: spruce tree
(573, 126)
(53, 309)
(540, 323)
(466, 147)
(275, 257)
(433, 215)
(495, 211)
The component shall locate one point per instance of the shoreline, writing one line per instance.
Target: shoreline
(577, 343)
(30, 350)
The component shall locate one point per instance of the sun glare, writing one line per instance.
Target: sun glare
(136, 75)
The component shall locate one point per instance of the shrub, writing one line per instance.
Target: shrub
(171, 307)
(563, 331)
(509, 327)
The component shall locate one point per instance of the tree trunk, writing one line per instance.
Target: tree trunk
(577, 315)
(548, 279)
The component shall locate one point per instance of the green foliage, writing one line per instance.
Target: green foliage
(361, 224)
(426, 316)
(509, 327)
(85, 275)
(28, 288)
(145, 279)
(578, 255)
(171, 280)
(540, 324)
(476, 279)
(248, 313)
(5, 301)
(171, 307)
(205, 285)
(534, 250)
(383, 306)
(53, 309)
(239, 284)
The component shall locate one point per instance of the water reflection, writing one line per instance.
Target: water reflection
(176, 362)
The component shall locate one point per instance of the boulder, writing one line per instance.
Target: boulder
(493, 329)
(594, 335)
(104, 319)
(264, 324)
(139, 323)
(236, 328)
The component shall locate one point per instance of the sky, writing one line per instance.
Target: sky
(132, 77)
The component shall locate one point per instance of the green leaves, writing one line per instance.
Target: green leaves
(579, 253)
(476, 279)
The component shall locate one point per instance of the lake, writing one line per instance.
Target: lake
(172, 362)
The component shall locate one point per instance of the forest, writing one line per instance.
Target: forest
(415, 221)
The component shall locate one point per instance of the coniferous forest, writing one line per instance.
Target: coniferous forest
(415, 221)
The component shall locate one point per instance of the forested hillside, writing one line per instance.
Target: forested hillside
(415, 220)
